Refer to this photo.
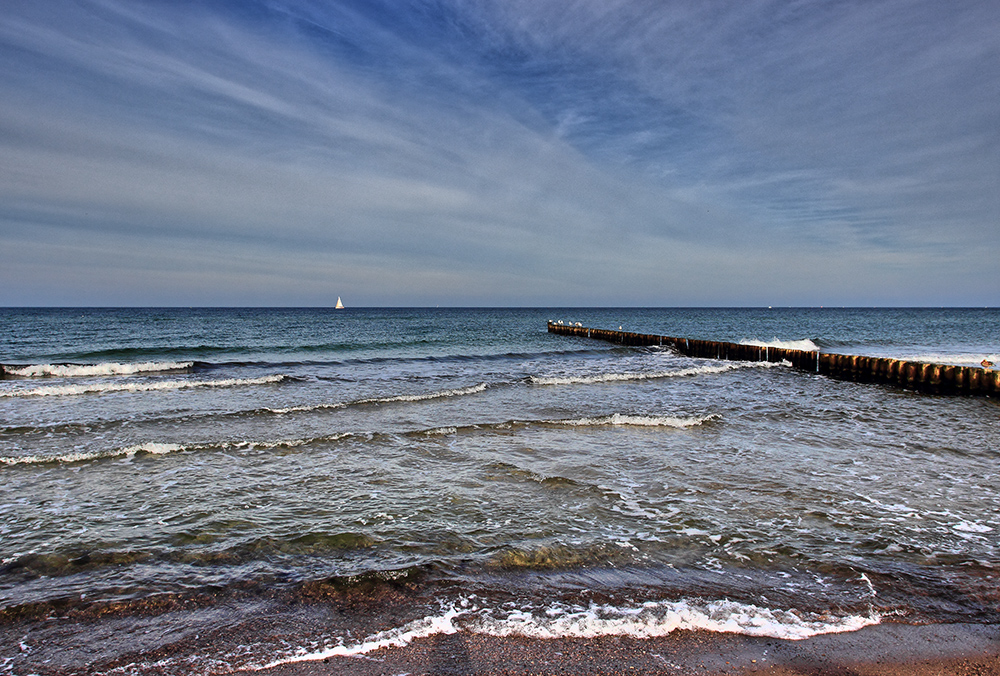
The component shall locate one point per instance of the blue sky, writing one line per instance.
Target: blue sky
(506, 152)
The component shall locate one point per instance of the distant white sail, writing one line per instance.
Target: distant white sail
(340, 306)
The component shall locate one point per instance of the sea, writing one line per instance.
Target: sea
(209, 490)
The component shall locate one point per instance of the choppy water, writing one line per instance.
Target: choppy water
(520, 482)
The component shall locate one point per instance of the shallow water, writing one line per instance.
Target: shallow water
(515, 481)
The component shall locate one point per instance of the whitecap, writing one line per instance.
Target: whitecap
(560, 621)
(83, 456)
(708, 369)
(158, 448)
(659, 618)
(805, 344)
(153, 386)
(460, 392)
(441, 431)
(104, 369)
(398, 637)
(400, 398)
(622, 420)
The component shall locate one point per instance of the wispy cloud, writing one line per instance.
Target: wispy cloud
(491, 153)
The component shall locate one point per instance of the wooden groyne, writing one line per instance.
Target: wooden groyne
(932, 378)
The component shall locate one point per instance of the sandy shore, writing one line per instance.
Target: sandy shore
(213, 638)
(883, 650)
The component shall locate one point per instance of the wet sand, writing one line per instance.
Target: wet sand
(883, 650)
(185, 636)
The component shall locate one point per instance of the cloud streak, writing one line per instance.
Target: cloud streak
(535, 153)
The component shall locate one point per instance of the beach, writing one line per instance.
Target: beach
(390, 491)
(888, 650)
(150, 645)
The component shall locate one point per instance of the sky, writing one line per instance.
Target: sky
(499, 153)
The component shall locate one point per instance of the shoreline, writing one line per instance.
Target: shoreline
(241, 637)
(878, 650)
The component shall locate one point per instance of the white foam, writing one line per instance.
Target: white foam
(106, 387)
(441, 431)
(432, 625)
(805, 344)
(82, 456)
(648, 620)
(105, 369)
(618, 419)
(474, 389)
(382, 400)
(659, 618)
(155, 448)
(305, 409)
(460, 392)
(624, 377)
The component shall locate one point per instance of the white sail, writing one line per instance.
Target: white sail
(340, 306)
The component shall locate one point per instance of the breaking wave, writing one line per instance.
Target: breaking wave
(106, 387)
(676, 373)
(105, 369)
(440, 394)
(805, 344)
(646, 620)
(475, 389)
(153, 448)
(613, 420)
(82, 456)
(619, 419)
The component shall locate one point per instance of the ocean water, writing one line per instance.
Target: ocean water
(425, 471)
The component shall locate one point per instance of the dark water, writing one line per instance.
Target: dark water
(511, 480)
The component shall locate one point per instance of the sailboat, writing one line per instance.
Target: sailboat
(339, 305)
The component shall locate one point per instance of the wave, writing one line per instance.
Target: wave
(474, 389)
(153, 448)
(151, 352)
(70, 428)
(659, 618)
(157, 448)
(106, 387)
(440, 394)
(461, 357)
(652, 375)
(615, 420)
(104, 369)
(805, 344)
(560, 621)
(82, 456)
(622, 420)
(148, 355)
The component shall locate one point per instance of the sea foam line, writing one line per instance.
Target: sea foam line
(102, 388)
(648, 620)
(82, 456)
(441, 394)
(104, 369)
(615, 419)
(155, 448)
(623, 420)
(460, 392)
(652, 375)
